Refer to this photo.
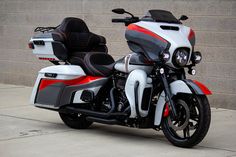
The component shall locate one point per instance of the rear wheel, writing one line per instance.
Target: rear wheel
(75, 121)
(192, 122)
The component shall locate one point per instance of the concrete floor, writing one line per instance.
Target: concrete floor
(28, 131)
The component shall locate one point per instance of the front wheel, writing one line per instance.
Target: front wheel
(192, 122)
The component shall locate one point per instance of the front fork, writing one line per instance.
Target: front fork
(168, 94)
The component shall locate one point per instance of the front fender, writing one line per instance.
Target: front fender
(197, 87)
(179, 86)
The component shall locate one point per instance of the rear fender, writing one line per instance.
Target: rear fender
(179, 86)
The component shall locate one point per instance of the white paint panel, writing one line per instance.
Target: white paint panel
(64, 71)
(175, 87)
(136, 76)
(44, 51)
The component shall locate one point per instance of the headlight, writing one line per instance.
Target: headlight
(180, 57)
(196, 57)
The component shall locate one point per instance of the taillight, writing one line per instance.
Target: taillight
(31, 45)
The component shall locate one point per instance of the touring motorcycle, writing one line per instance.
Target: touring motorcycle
(145, 89)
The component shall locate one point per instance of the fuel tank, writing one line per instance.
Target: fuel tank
(134, 61)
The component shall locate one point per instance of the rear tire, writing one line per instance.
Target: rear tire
(75, 121)
(200, 128)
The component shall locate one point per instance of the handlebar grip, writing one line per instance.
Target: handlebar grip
(118, 20)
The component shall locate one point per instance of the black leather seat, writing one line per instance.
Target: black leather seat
(94, 63)
(84, 47)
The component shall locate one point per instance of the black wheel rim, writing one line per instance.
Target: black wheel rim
(189, 130)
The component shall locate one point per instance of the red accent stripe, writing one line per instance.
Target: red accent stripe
(191, 34)
(77, 81)
(204, 89)
(136, 28)
(166, 111)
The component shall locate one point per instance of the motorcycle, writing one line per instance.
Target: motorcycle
(145, 89)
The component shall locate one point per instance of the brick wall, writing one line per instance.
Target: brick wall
(214, 22)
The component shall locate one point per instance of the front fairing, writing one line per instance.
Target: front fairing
(145, 41)
(175, 39)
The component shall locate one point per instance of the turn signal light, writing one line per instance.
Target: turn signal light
(196, 57)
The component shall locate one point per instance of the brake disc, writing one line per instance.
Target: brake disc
(183, 119)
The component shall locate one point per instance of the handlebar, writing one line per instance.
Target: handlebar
(119, 20)
(127, 20)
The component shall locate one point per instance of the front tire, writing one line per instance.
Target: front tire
(192, 127)
(75, 121)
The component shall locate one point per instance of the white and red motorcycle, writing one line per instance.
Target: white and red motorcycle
(145, 89)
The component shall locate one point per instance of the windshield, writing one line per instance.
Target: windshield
(160, 16)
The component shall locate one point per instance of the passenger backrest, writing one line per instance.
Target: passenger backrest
(78, 38)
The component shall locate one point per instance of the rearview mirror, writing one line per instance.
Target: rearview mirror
(183, 17)
(119, 11)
